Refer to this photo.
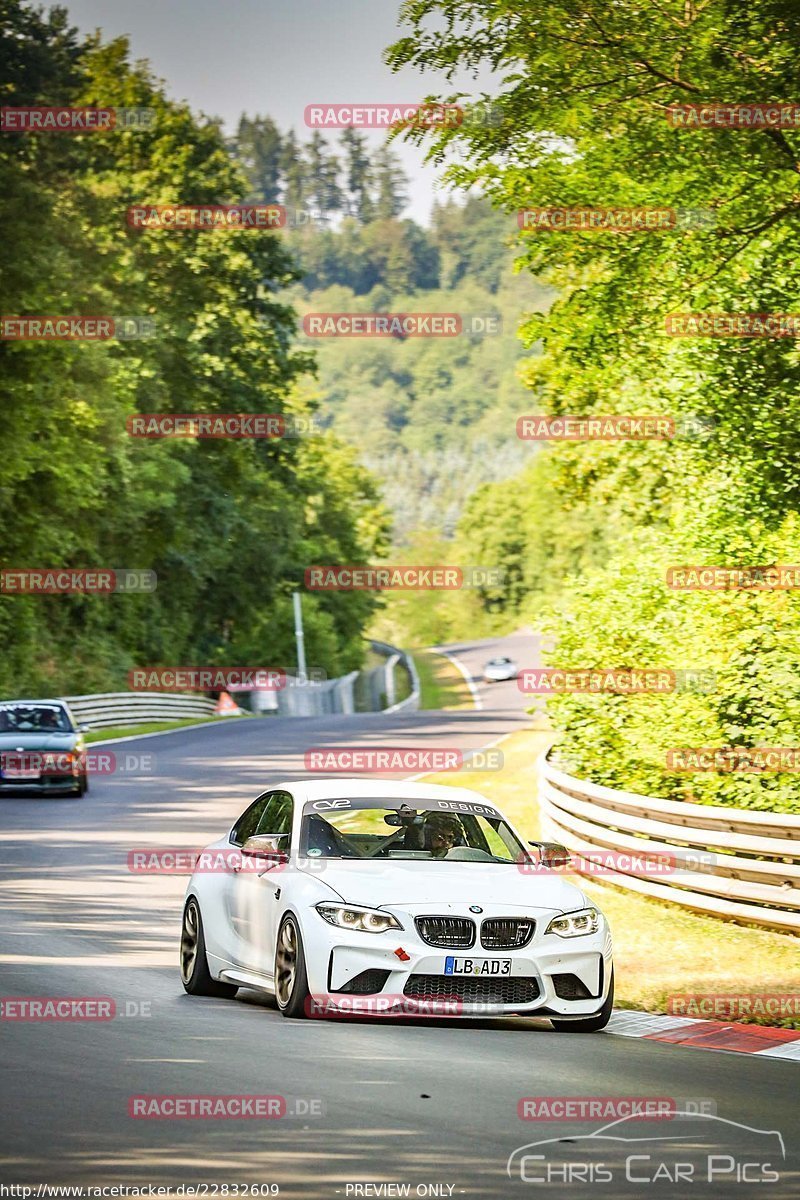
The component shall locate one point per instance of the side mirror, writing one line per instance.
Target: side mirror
(552, 854)
(84, 728)
(265, 845)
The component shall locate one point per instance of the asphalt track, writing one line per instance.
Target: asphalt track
(430, 1104)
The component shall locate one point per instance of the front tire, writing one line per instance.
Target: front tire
(589, 1024)
(195, 975)
(291, 980)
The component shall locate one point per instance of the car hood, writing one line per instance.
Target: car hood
(417, 885)
(37, 741)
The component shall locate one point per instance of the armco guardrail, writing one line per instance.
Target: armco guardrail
(299, 698)
(740, 864)
(136, 708)
(394, 656)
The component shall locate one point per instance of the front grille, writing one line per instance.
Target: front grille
(451, 933)
(521, 990)
(507, 933)
(570, 987)
(367, 983)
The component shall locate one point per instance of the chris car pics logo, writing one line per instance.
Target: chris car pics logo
(690, 1149)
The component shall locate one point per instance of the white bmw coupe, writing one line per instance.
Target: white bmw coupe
(352, 895)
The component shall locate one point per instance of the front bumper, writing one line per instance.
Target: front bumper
(363, 972)
(57, 784)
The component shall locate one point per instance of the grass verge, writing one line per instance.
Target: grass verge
(660, 950)
(100, 735)
(442, 685)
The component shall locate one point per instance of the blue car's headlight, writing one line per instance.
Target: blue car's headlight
(364, 920)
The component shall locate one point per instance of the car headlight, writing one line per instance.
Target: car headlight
(575, 924)
(364, 920)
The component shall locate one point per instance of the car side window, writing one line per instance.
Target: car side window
(277, 816)
(247, 824)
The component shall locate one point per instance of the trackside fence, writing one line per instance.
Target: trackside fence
(298, 698)
(739, 864)
(137, 708)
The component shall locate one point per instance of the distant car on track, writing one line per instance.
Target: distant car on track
(393, 894)
(498, 670)
(42, 749)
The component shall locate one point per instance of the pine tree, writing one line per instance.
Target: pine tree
(257, 146)
(295, 173)
(323, 176)
(391, 184)
(358, 174)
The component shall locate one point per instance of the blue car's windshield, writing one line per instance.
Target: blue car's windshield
(34, 718)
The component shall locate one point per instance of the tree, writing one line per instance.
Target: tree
(228, 526)
(294, 171)
(323, 176)
(358, 175)
(391, 185)
(258, 148)
(587, 94)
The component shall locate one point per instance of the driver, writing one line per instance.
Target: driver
(442, 832)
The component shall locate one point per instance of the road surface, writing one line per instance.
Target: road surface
(420, 1104)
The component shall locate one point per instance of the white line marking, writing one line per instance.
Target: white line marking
(787, 1050)
(460, 666)
(627, 1023)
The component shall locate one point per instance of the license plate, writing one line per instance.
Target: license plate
(13, 772)
(477, 966)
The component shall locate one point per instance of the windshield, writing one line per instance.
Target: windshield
(443, 830)
(34, 718)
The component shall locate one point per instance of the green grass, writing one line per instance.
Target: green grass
(99, 735)
(660, 949)
(442, 685)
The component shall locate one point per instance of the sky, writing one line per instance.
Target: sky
(273, 57)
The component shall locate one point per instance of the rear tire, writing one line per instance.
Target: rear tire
(589, 1024)
(291, 980)
(195, 975)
